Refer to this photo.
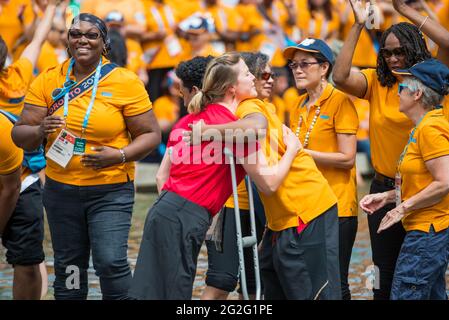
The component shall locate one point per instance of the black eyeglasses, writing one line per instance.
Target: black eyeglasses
(76, 34)
(303, 65)
(397, 52)
(267, 75)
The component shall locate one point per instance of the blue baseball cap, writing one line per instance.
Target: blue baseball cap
(431, 72)
(311, 45)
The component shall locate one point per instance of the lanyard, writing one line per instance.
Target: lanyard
(410, 140)
(92, 99)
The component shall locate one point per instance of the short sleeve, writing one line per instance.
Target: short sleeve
(36, 93)
(248, 107)
(370, 75)
(17, 78)
(10, 155)
(346, 118)
(433, 140)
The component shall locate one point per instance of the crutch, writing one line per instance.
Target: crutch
(244, 242)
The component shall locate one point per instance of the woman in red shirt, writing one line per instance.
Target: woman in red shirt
(199, 183)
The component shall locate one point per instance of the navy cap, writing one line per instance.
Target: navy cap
(311, 45)
(432, 73)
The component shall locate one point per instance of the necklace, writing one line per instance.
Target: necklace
(314, 120)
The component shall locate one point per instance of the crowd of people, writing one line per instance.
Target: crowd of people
(294, 88)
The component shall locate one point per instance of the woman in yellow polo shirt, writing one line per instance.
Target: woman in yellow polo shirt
(16, 78)
(326, 122)
(301, 215)
(402, 45)
(95, 129)
(422, 190)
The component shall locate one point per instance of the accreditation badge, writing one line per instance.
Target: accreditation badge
(80, 146)
(397, 188)
(61, 151)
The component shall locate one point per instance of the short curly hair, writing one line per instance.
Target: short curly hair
(191, 72)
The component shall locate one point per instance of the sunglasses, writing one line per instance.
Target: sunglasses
(76, 34)
(397, 52)
(267, 75)
(303, 65)
(401, 87)
(60, 31)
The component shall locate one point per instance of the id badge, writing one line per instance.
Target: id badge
(80, 146)
(173, 46)
(397, 188)
(61, 151)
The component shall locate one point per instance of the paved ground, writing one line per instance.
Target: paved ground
(359, 269)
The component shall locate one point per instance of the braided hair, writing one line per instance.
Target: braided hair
(412, 40)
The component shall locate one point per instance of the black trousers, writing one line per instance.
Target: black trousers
(174, 231)
(347, 234)
(385, 246)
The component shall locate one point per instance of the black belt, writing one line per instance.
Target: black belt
(386, 181)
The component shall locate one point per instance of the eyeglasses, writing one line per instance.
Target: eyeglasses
(303, 65)
(60, 92)
(397, 52)
(267, 75)
(76, 34)
(401, 87)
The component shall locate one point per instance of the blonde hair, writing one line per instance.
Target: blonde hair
(219, 75)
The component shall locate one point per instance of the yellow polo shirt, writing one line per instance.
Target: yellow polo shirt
(11, 156)
(304, 192)
(165, 109)
(14, 83)
(11, 27)
(388, 127)
(431, 140)
(135, 56)
(362, 107)
(106, 127)
(337, 116)
(270, 45)
(161, 17)
(48, 57)
(132, 10)
(317, 26)
(290, 97)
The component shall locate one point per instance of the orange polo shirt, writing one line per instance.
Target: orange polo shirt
(132, 10)
(14, 83)
(337, 116)
(135, 56)
(318, 26)
(162, 53)
(11, 156)
(165, 109)
(106, 127)
(11, 14)
(388, 127)
(430, 141)
(304, 192)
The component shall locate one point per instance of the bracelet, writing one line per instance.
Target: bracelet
(123, 155)
(422, 24)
